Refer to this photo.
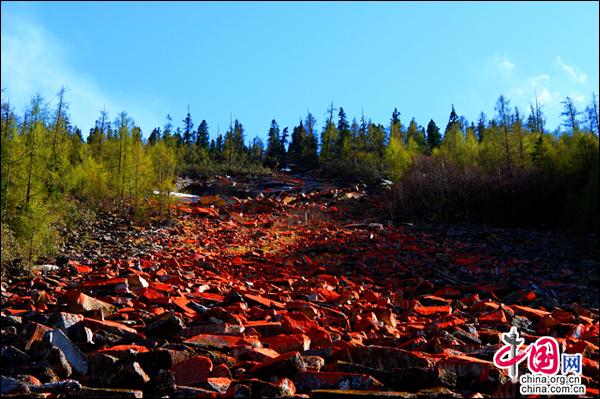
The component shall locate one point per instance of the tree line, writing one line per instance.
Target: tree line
(51, 173)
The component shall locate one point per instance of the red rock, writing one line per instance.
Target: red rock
(445, 323)
(182, 303)
(254, 354)
(36, 332)
(265, 328)
(319, 337)
(386, 316)
(200, 211)
(109, 282)
(192, 371)
(219, 384)
(79, 302)
(485, 306)
(328, 295)
(151, 295)
(208, 296)
(431, 310)
(110, 326)
(297, 322)
(530, 313)
(494, 317)
(221, 370)
(80, 268)
(121, 350)
(136, 281)
(287, 343)
(264, 301)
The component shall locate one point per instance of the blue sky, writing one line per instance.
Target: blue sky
(259, 61)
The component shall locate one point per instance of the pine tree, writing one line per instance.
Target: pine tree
(282, 146)
(202, 135)
(343, 143)
(188, 129)
(481, 126)
(155, 135)
(309, 154)
(273, 153)
(256, 150)
(453, 121)
(297, 145)
(396, 126)
(376, 136)
(434, 138)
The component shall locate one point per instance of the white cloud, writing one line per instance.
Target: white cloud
(505, 65)
(32, 61)
(537, 79)
(532, 86)
(546, 97)
(574, 72)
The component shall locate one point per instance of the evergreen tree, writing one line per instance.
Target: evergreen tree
(282, 146)
(219, 148)
(296, 146)
(453, 121)
(343, 128)
(202, 135)
(309, 153)
(256, 150)
(188, 129)
(396, 126)
(434, 138)
(362, 134)
(177, 138)
(273, 153)
(481, 126)
(376, 138)
(155, 135)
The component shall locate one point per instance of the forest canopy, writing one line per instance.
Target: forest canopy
(53, 173)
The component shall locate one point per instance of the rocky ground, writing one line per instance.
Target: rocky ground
(292, 287)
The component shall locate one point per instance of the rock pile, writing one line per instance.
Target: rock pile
(293, 295)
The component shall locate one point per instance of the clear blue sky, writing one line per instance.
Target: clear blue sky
(259, 61)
